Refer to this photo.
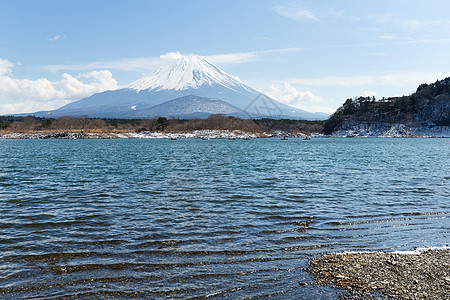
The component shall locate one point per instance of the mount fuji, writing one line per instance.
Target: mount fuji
(199, 88)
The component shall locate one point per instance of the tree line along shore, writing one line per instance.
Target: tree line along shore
(32, 124)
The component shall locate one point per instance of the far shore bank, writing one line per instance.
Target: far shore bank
(196, 134)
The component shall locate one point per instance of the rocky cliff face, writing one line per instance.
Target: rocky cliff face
(435, 111)
(424, 113)
(351, 128)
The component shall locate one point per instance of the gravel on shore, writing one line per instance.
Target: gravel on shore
(378, 275)
(213, 134)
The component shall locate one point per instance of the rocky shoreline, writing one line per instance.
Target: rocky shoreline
(131, 135)
(197, 134)
(200, 134)
(374, 275)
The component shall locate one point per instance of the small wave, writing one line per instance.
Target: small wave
(147, 267)
(421, 250)
(59, 256)
(279, 231)
(161, 244)
(339, 223)
(50, 224)
(301, 248)
(421, 213)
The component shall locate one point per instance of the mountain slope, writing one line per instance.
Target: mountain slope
(425, 112)
(187, 75)
(188, 107)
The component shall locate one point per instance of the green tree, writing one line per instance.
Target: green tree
(162, 123)
(46, 123)
(349, 107)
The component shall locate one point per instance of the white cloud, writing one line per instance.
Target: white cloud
(31, 106)
(19, 95)
(245, 57)
(68, 87)
(5, 66)
(232, 58)
(306, 100)
(411, 41)
(414, 25)
(387, 36)
(139, 64)
(410, 25)
(369, 94)
(149, 64)
(57, 37)
(392, 79)
(295, 12)
(171, 55)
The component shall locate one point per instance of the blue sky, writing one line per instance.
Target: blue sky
(309, 54)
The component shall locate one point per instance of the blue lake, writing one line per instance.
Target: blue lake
(238, 219)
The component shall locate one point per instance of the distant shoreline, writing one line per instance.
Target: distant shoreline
(196, 134)
(129, 135)
(214, 126)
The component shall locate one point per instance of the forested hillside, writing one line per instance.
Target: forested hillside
(428, 106)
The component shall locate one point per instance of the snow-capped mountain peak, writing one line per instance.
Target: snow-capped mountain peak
(186, 72)
(189, 79)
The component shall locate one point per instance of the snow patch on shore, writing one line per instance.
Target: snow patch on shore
(351, 128)
(210, 134)
(421, 250)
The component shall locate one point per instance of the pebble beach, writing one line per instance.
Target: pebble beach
(421, 274)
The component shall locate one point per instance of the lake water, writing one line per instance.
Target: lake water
(237, 219)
